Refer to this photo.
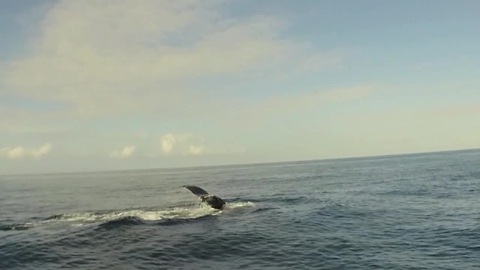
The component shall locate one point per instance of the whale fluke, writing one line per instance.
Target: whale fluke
(212, 200)
(197, 191)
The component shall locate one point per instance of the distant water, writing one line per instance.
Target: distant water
(400, 212)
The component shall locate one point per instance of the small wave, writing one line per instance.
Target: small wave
(234, 205)
(15, 227)
(265, 209)
(126, 221)
(284, 199)
(173, 216)
(150, 215)
(127, 217)
(120, 217)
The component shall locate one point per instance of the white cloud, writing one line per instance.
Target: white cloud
(305, 100)
(182, 144)
(333, 59)
(168, 143)
(188, 144)
(20, 152)
(126, 152)
(40, 152)
(13, 153)
(109, 57)
(196, 149)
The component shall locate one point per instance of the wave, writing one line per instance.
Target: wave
(235, 205)
(126, 221)
(108, 219)
(285, 199)
(15, 227)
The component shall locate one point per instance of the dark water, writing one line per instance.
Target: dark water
(403, 212)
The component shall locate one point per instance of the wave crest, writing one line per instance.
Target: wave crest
(127, 217)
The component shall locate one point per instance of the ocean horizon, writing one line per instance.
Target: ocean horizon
(260, 163)
(414, 211)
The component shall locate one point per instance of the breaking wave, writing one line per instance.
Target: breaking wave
(126, 217)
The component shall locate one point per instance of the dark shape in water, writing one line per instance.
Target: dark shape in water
(125, 221)
(14, 227)
(212, 200)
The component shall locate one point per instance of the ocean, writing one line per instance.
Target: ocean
(418, 211)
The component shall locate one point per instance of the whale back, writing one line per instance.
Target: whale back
(212, 200)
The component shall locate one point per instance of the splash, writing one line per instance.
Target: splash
(145, 215)
(235, 205)
(140, 215)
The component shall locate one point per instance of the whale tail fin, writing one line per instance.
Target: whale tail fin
(197, 191)
(213, 201)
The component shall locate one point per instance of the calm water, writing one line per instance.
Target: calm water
(402, 212)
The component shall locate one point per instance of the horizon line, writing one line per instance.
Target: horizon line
(170, 169)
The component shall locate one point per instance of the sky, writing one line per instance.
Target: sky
(119, 84)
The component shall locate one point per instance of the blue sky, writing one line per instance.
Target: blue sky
(105, 85)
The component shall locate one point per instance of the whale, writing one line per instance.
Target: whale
(212, 200)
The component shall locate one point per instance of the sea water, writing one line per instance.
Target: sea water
(398, 212)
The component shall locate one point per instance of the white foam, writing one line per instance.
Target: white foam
(239, 205)
(80, 219)
(86, 218)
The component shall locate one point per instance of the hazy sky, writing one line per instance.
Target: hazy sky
(121, 84)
